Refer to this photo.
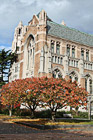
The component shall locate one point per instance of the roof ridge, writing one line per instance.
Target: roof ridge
(71, 28)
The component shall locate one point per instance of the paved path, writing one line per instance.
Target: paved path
(9, 131)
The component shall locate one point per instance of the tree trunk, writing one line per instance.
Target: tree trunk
(32, 114)
(77, 111)
(10, 112)
(53, 116)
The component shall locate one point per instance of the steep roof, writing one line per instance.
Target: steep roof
(65, 32)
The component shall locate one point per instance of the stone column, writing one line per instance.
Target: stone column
(42, 61)
(49, 61)
(70, 51)
(88, 86)
(65, 64)
(55, 47)
(82, 82)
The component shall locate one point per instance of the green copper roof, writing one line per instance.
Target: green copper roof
(65, 32)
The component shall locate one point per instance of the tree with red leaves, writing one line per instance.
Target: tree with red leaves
(30, 96)
(76, 95)
(10, 96)
(51, 92)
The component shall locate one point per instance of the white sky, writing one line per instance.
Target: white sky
(76, 14)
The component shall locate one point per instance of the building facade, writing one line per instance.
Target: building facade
(45, 48)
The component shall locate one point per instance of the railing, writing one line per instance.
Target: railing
(58, 59)
(73, 62)
(88, 65)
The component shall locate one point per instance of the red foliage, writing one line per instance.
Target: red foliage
(54, 93)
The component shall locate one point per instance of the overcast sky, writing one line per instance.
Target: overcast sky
(76, 14)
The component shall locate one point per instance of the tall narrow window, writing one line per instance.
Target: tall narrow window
(68, 50)
(82, 54)
(70, 77)
(52, 47)
(58, 60)
(76, 79)
(61, 60)
(28, 60)
(19, 31)
(87, 55)
(90, 84)
(86, 84)
(16, 69)
(33, 55)
(58, 49)
(73, 52)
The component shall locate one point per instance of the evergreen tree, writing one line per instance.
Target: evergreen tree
(6, 59)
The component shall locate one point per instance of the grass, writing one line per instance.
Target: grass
(45, 121)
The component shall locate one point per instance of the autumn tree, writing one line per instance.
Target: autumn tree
(76, 95)
(53, 94)
(10, 96)
(30, 96)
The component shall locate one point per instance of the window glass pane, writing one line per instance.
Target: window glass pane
(87, 56)
(55, 59)
(68, 51)
(73, 52)
(86, 84)
(90, 83)
(76, 63)
(82, 54)
(76, 79)
(61, 61)
(58, 60)
(58, 49)
(52, 47)
(91, 106)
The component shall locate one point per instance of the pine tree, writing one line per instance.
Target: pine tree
(6, 59)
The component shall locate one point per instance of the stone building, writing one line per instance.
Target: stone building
(45, 48)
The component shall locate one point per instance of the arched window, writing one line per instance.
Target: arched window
(73, 52)
(82, 53)
(73, 76)
(76, 79)
(88, 83)
(57, 48)
(52, 47)
(68, 50)
(87, 55)
(30, 52)
(57, 73)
